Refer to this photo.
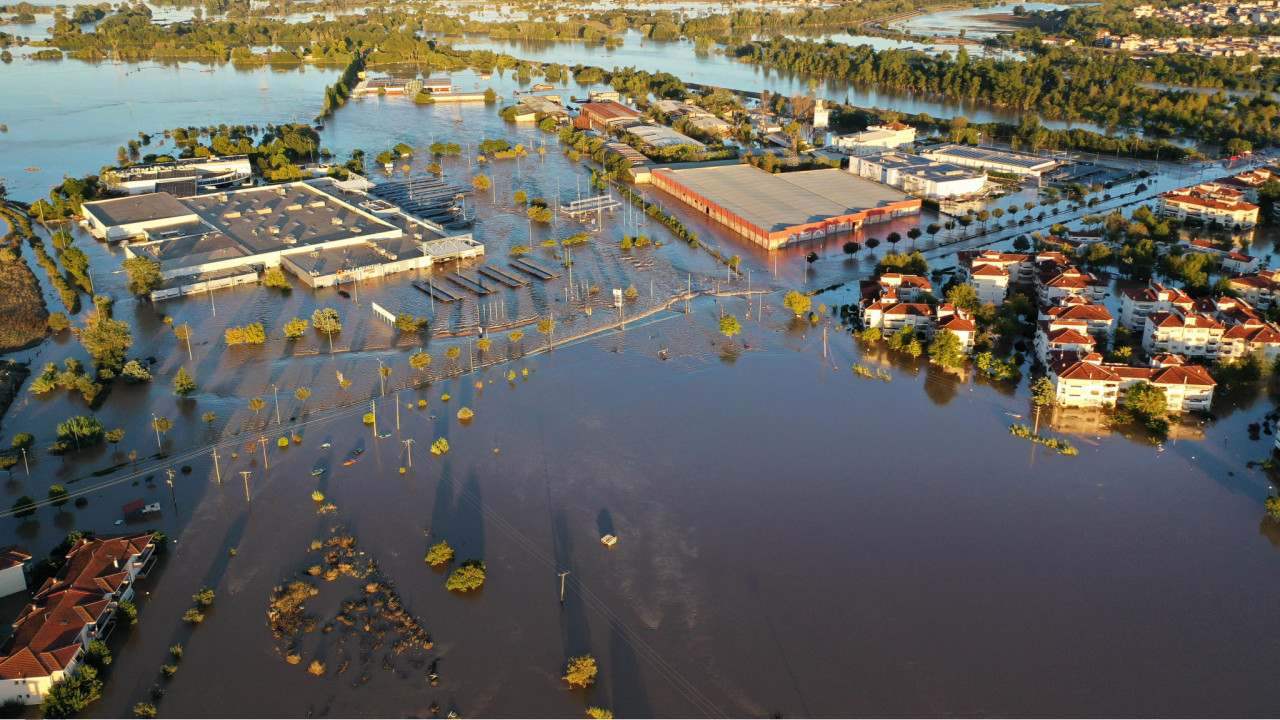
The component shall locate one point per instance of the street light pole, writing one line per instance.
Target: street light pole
(265, 464)
(245, 473)
(155, 425)
(275, 391)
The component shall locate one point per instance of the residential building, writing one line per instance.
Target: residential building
(1240, 263)
(1090, 382)
(1209, 203)
(1187, 333)
(70, 610)
(918, 175)
(891, 315)
(13, 569)
(992, 272)
(1137, 303)
(1054, 286)
(1097, 318)
(1260, 290)
(1063, 339)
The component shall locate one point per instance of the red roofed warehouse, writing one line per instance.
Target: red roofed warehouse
(604, 115)
(70, 610)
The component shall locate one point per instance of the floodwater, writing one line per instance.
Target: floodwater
(793, 538)
(977, 22)
(681, 58)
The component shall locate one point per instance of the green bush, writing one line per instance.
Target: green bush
(469, 576)
(439, 554)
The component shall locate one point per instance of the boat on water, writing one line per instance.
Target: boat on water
(349, 463)
(385, 435)
(317, 472)
(325, 446)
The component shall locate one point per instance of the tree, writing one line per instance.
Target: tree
(516, 336)
(483, 344)
(1236, 146)
(209, 417)
(183, 384)
(547, 326)
(945, 349)
(275, 278)
(581, 671)
(1043, 394)
(914, 233)
(453, 353)
(797, 303)
(77, 263)
(22, 441)
(873, 243)
(439, 554)
(419, 361)
(407, 323)
(328, 322)
(71, 694)
(162, 424)
(521, 197)
(1146, 401)
(964, 296)
(24, 507)
(469, 576)
(1021, 244)
(933, 229)
(106, 339)
(481, 182)
(295, 328)
(894, 238)
(58, 496)
(851, 248)
(256, 404)
(302, 394)
(144, 274)
(7, 462)
(729, 326)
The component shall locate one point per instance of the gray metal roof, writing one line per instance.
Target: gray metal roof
(986, 155)
(137, 208)
(777, 202)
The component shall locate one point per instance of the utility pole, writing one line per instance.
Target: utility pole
(275, 391)
(24, 462)
(245, 473)
(172, 492)
(155, 424)
(824, 342)
(382, 381)
(397, 412)
(188, 339)
(217, 469)
(374, 405)
(266, 465)
(566, 572)
(408, 446)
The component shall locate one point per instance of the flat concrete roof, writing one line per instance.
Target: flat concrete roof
(774, 203)
(1001, 157)
(138, 208)
(261, 219)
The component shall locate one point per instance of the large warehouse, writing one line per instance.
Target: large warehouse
(213, 241)
(1003, 161)
(773, 210)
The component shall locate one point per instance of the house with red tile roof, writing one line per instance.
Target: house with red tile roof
(1261, 290)
(1137, 303)
(1090, 382)
(70, 610)
(1097, 317)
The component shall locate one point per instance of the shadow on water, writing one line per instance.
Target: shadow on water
(575, 631)
(1270, 529)
(457, 516)
(626, 683)
(941, 386)
(777, 643)
(604, 524)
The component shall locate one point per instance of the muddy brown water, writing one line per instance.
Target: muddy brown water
(793, 539)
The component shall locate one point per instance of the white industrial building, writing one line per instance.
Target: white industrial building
(1002, 161)
(876, 138)
(918, 175)
(181, 177)
(211, 241)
